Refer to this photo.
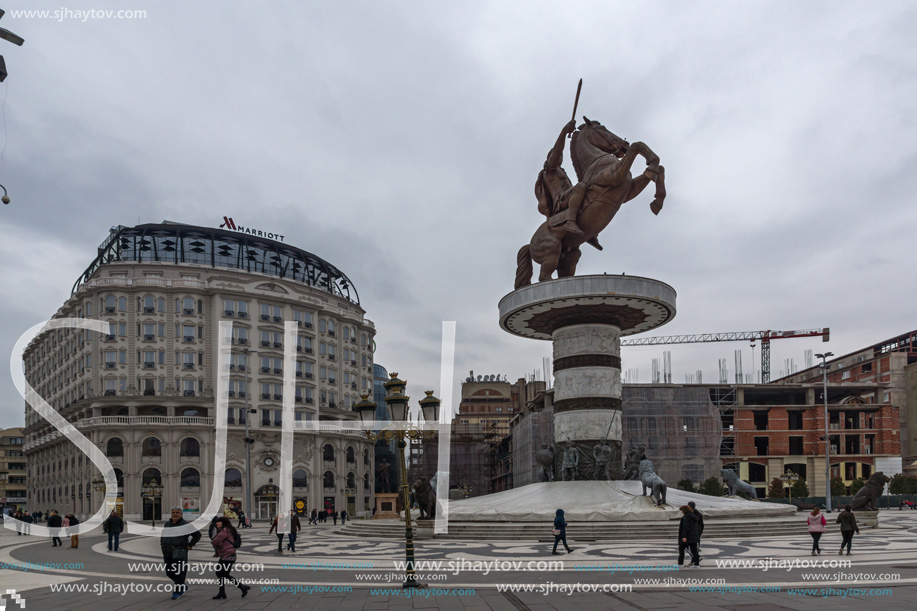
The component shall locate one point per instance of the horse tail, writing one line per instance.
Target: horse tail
(523, 267)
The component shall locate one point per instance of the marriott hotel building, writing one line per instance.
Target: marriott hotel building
(144, 393)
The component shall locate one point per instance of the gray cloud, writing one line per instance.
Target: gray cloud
(401, 143)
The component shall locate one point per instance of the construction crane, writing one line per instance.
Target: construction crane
(765, 337)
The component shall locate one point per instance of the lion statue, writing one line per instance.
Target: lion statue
(866, 497)
(650, 480)
(425, 498)
(731, 478)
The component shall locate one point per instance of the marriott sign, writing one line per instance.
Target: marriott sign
(229, 224)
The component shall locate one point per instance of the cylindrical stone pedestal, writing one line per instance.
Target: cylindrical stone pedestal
(587, 394)
(585, 317)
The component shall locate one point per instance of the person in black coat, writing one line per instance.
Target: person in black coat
(175, 551)
(343, 517)
(560, 531)
(55, 521)
(700, 517)
(113, 526)
(74, 538)
(688, 535)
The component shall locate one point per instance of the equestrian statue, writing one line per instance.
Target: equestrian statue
(576, 214)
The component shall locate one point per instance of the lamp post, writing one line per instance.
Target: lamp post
(248, 440)
(398, 404)
(153, 490)
(791, 478)
(824, 371)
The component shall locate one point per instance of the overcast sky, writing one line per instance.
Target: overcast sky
(401, 141)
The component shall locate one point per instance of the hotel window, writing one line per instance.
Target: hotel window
(322, 327)
(271, 312)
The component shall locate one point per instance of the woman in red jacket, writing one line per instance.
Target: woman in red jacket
(223, 542)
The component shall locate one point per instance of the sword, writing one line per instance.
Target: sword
(579, 88)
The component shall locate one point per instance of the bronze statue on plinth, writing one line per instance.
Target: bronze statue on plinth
(576, 214)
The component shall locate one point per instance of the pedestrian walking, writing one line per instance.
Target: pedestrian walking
(74, 538)
(113, 526)
(314, 516)
(55, 521)
(849, 526)
(295, 527)
(224, 542)
(700, 518)
(278, 524)
(241, 515)
(817, 523)
(175, 551)
(560, 532)
(17, 515)
(688, 536)
(334, 516)
(27, 523)
(343, 517)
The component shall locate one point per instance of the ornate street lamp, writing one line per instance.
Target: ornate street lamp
(398, 404)
(791, 478)
(153, 490)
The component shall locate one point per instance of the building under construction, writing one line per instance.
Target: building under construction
(478, 451)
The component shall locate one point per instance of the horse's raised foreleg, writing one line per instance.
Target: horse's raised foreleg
(619, 172)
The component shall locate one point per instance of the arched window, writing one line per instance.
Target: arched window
(114, 447)
(350, 455)
(190, 447)
(119, 475)
(328, 453)
(365, 458)
(190, 478)
(123, 411)
(110, 304)
(351, 480)
(151, 474)
(152, 447)
(366, 483)
(328, 479)
(300, 479)
(232, 478)
(122, 304)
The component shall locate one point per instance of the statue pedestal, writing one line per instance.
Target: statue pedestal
(585, 318)
(386, 506)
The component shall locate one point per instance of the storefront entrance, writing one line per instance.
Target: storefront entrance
(266, 499)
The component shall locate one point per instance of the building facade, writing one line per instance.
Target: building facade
(480, 455)
(891, 364)
(13, 472)
(144, 393)
(781, 427)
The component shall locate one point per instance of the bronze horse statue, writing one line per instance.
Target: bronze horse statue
(602, 162)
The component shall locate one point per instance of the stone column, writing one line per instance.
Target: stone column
(585, 318)
(587, 393)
